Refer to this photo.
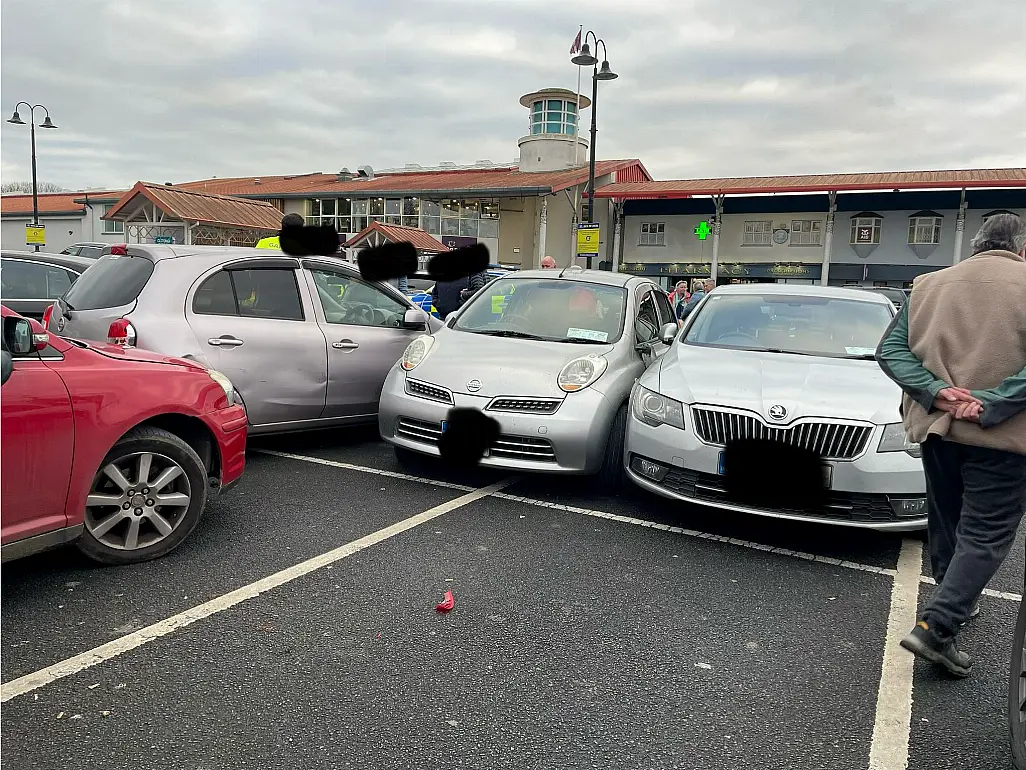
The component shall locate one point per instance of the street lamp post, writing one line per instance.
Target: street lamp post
(47, 123)
(584, 59)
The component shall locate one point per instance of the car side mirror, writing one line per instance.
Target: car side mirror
(7, 367)
(668, 333)
(19, 336)
(415, 319)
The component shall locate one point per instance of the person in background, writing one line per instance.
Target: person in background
(449, 296)
(289, 220)
(679, 294)
(684, 310)
(548, 263)
(957, 349)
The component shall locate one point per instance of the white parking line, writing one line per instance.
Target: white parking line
(112, 649)
(892, 727)
(365, 469)
(1007, 595)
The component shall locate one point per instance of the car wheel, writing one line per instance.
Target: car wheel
(611, 477)
(1017, 692)
(414, 462)
(145, 499)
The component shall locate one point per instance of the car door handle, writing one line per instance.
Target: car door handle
(345, 345)
(224, 342)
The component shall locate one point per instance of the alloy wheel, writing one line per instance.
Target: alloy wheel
(137, 501)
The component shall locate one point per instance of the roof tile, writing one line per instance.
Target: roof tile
(421, 240)
(203, 207)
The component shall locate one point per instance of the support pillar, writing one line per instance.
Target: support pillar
(959, 230)
(543, 216)
(828, 239)
(617, 235)
(717, 225)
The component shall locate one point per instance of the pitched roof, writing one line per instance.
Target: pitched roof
(191, 206)
(19, 204)
(904, 180)
(504, 180)
(421, 240)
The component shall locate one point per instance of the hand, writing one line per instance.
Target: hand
(960, 403)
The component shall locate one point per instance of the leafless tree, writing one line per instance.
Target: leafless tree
(26, 187)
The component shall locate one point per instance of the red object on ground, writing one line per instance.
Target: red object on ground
(447, 603)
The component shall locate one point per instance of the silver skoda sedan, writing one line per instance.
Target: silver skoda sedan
(788, 363)
(550, 356)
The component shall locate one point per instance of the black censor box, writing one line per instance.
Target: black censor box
(771, 474)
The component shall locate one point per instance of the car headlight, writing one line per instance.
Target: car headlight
(895, 439)
(226, 385)
(655, 409)
(580, 373)
(416, 352)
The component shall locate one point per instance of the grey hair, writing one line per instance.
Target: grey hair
(1001, 232)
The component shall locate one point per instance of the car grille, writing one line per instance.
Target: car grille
(529, 405)
(840, 506)
(430, 392)
(832, 441)
(509, 447)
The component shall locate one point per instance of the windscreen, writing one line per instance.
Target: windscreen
(556, 310)
(112, 281)
(821, 326)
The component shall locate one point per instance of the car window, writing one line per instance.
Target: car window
(90, 251)
(820, 326)
(215, 296)
(646, 324)
(112, 281)
(267, 293)
(666, 314)
(347, 300)
(551, 309)
(31, 280)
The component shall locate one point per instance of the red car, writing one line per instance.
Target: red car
(112, 448)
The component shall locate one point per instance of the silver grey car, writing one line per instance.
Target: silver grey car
(306, 342)
(787, 363)
(550, 356)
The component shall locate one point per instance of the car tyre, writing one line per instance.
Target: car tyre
(611, 477)
(172, 450)
(1017, 692)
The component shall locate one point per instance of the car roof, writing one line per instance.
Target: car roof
(78, 264)
(802, 290)
(90, 243)
(605, 277)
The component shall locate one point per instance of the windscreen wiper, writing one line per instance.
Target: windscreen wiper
(510, 333)
(785, 352)
(581, 341)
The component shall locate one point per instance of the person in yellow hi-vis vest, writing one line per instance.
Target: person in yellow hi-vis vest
(289, 220)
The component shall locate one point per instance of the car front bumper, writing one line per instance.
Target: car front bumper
(882, 491)
(231, 429)
(571, 440)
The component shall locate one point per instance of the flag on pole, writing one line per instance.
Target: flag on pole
(576, 47)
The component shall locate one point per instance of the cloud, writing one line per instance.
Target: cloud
(200, 88)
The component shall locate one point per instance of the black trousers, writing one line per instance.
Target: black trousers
(976, 498)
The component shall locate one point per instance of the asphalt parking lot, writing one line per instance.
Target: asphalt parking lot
(296, 628)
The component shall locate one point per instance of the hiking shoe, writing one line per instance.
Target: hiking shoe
(925, 643)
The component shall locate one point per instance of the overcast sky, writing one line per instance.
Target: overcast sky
(178, 90)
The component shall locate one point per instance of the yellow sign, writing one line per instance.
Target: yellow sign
(35, 235)
(587, 239)
(269, 243)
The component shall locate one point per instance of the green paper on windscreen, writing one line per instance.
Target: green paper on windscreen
(860, 351)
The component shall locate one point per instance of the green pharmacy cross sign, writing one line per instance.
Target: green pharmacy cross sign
(702, 231)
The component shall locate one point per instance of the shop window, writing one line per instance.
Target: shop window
(653, 234)
(924, 228)
(866, 228)
(112, 227)
(806, 232)
(758, 233)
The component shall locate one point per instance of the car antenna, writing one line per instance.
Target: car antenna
(576, 269)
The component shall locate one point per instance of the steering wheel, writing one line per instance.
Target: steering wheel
(513, 319)
(361, 313)
(395, 320)
(735, 336)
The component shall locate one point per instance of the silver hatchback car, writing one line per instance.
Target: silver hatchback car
(306, 342)
(550, 356)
